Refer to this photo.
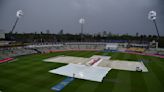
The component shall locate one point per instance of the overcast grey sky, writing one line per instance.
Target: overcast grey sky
(116, 16)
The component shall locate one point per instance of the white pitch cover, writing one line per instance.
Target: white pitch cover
(82, 72)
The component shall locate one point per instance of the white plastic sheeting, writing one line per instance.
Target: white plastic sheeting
(102, 57)
(92, 73)
(128, 65)
(68, 59)
(103, 62)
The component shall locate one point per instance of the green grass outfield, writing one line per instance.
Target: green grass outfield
(30, 74)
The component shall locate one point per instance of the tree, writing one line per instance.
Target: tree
(150, 36)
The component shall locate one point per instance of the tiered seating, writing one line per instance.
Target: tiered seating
(68, 46)
(16, 51)
(133, 49)
(49, 49)
(84, 46)
(155, 51)
(161, 53)
(151, 52)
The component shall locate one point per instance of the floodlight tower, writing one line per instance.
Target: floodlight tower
(82, 21)
(152, 15)
(19, 14)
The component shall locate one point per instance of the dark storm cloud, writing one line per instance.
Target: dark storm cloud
(116, 16)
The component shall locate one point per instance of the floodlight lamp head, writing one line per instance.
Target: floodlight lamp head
(152, 15)
(82, 21)
(19, 13)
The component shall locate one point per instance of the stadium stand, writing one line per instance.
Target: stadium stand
(11, 52)
(85, 46)
(134, 49)
(7, 54)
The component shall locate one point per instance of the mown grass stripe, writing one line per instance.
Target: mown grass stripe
(115, 55)
(30, 74)
(137, 82)
(158, 72)
(73, 86)
(108, 82)
(152, 82)
(87, 86)
(123, 79)
(124, 82)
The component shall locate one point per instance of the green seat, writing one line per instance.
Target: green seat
(1, 58)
